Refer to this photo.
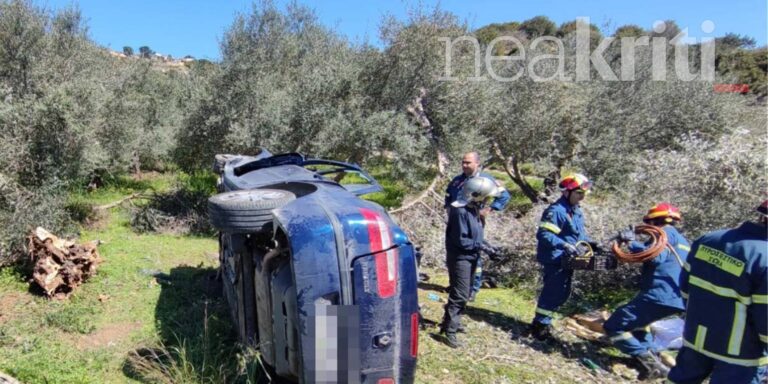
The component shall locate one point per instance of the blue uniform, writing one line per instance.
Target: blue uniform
(725, 282)
(452, 193)
(659, 296)
(561, 223)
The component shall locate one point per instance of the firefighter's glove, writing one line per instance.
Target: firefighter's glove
(571, 250)
(626, 235)
(492, 252)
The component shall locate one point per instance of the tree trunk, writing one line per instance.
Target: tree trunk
(417, 111)
(512, 168)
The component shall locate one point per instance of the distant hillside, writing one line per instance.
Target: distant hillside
(736, 56)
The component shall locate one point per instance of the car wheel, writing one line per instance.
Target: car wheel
(247, 211)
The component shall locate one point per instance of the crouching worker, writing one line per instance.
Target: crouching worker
(561, 227)
(659, 295)
(463, 243)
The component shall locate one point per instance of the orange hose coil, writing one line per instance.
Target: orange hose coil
(658, 243)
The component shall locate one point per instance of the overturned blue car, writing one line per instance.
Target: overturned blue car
(320, 281)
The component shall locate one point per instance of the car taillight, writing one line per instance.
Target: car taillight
(414, 334)
(386, 263)
(386, 381)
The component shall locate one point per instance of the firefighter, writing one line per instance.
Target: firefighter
(725, 282)
(659, 295)
(561, 227)
(470, 166)
(463, 243)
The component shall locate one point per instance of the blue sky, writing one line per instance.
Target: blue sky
(196, 27)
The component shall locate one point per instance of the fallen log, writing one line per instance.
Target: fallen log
(116, 203)
(60, 265)
(593, 320)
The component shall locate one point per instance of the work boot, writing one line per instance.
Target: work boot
(452, 341)
(539, 331)
(654, 368)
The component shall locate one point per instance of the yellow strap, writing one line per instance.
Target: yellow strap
(718, 290)
(687, 267)
(743, 362)
(550, 227)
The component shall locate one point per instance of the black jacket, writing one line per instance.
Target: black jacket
(464, 233)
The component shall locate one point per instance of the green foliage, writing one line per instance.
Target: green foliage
(289, 84)
(145, 52)
(73, 317)
(539, 26)
(630, 30)
(180, 210)
(489, 32)
(79, 211)
(67, 108)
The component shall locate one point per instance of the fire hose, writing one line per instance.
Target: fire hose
(658, 242)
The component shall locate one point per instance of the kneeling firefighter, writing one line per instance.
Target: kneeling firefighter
(659, 295)
(463, 244)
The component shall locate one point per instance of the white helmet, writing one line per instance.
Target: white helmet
(477, 189)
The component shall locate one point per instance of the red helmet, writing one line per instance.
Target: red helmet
(665, 211)
(763, 208)
(575, 181)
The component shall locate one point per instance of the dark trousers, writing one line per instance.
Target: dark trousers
(461, 269)
(693, 367)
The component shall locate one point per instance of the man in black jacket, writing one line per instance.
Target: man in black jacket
(463, 243)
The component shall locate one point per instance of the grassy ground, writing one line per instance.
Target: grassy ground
(495, 350)
(154, 313)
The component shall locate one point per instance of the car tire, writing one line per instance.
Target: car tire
(246, 211)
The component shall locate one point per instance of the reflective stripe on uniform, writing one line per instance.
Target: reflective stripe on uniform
(718, 290)
(743, 362)
(545, 312)
(763, 338)
(701, 335)
(684, 247)
(760, 299)
(684, 295)
(621, 336)
(687, 266)
(737, 330)
(550, 227)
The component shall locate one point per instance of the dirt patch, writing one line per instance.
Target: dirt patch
(8, 302)
(107, 336)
